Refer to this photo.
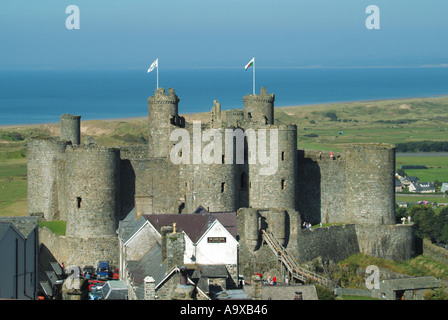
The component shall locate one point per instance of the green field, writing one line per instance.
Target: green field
(437, 168)
(13, 187)
(321, 127)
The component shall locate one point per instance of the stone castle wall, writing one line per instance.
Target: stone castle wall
(80, 252)
(71, 128)
(93, 187)
(93, 191)
(370, 184)
(45, 172)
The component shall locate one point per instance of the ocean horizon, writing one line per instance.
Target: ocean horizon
(41, 96)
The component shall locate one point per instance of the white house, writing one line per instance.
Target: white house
(422, 187)
(215, 246)
(210, 240)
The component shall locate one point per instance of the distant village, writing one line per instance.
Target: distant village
(405, 183)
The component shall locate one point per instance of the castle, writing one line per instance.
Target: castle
(92, 188)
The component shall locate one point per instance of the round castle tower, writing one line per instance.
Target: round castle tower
(277, 188)
(259, 108)
(93, 191)
(163, 118)
(45, 176)
(370, 184)
(71, 128)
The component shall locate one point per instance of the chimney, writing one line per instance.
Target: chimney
(174, 250)
(164, 232)
(150, 288)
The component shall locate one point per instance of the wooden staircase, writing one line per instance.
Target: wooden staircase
(291, 264)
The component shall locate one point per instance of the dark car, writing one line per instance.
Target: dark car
(88, 272)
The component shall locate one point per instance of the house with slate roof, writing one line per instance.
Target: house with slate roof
(422, 187)
(19, 242)
(210, 252)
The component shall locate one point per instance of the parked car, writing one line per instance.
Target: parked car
(95, 285)
(116, 275)
(103, 270)
(88, 272)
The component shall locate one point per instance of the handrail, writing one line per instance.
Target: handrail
(291, 264)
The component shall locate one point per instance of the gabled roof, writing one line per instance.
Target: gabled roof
(5, 226)
(196, 224)
(150, 264)
(25, 225)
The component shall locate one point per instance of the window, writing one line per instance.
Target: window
(78, 202)
(243, 180)
(283, 184)
(223, 187)
(283, 155)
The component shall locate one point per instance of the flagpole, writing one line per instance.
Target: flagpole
(254, 78)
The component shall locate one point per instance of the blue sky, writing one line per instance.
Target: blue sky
(225, 33)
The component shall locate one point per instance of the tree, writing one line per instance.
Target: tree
(426, 222)
(442, 225)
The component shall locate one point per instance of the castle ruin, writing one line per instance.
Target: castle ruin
(92, 188)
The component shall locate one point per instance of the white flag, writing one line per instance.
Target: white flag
(251, 63)
(155, 64)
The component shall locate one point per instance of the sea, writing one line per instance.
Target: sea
(41, 96)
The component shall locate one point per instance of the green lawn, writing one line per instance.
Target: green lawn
(13, 187)
(58, 227)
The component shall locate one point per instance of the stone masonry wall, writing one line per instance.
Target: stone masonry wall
(320, 186)
(80, 252)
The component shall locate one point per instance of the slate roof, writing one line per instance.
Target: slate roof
(129, 226)
(412, 283)
(195, 224)
(150, 264)
(281, 292)
(24, 224)
(4, 226)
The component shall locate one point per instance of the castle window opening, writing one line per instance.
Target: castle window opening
(249, 115)
(243, 180)
(223, 187)
(283, 184)
(283, 155)
(78, 202)
(223, 159)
